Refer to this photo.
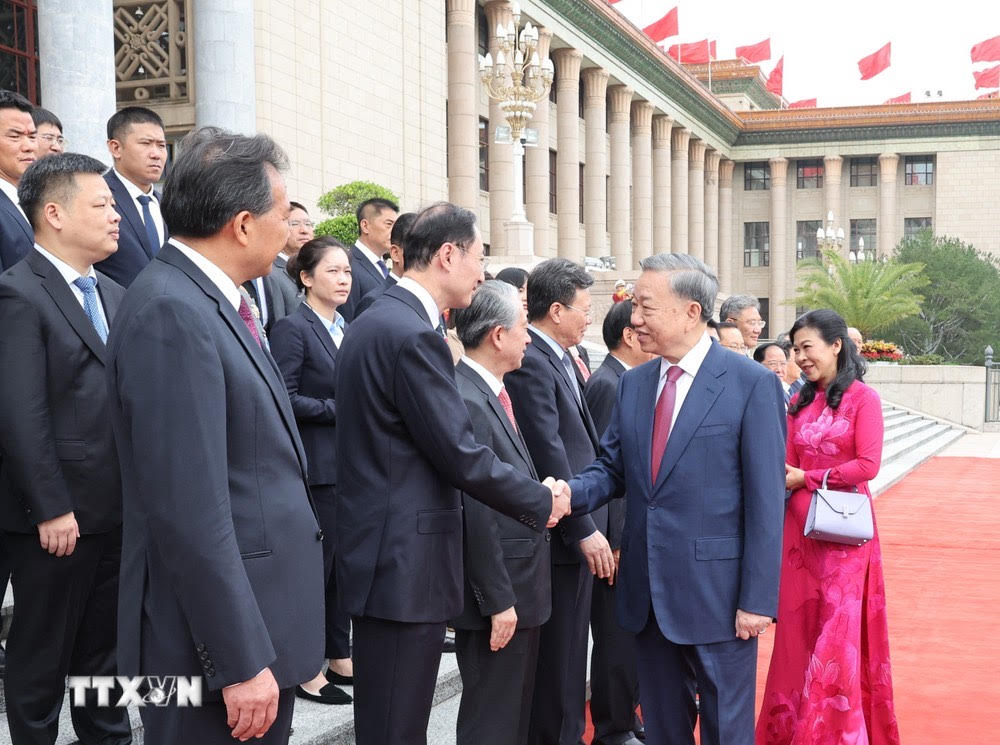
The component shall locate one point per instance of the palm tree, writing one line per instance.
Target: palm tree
(870, 295)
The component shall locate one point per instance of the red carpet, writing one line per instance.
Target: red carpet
(940, 533)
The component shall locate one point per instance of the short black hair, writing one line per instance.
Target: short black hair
(217, 175)
(726, 325)
(299, 206)
(616, 321)
(513, 275)
(554, 281)
(42, 116)
(124, 118)
(12, 100)
(309, 256)
(53, 179)
(399, 229)
(442, 222)
(761, 349)
(371, 208)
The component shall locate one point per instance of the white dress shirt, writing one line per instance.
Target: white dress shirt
(690, 363)
(11, 191)
(489, 378)
(334, 325)
(71, 275)
(622, 362)
(154, 204)
(217, 277)
(425, 298)
(368, 254)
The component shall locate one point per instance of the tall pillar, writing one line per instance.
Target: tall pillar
(567, 63)
(225, 92)
(888, 231)
(726, 263)
(621, 174)
(832, 168)
(642, 181)
(76, 54)
(779, 249)
(595, 169)
(679, 190)
(536, 165)
(696, 199)
(463, 89)
(661, 183)
(711, 187)
(501, 158)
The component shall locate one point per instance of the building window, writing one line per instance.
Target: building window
(912, 226)
(482, 31)
(756, 244)
(806, 246)
(552, 88)
(553, 187)
(864, 229)
(484, 154)
(756, 176)
(581, 193)
(864, 172)
(582, 97)
(19, 49)
(809, 174)
(486, 249)
(765, 316)
(919, 170)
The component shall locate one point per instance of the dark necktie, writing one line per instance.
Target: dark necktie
(571, 374)
(508, 407)
(147, 220)
(88, 286)
(383, 268)
(247, 315)
(662, 418)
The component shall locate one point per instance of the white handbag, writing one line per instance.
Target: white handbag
(839, 516)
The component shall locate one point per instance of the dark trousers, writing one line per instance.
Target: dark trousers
(614, 680)
(723, 674)
(64, 624)
(206, 724)
(338, 622)
(497, 687)
(395, 671)
(557, 711)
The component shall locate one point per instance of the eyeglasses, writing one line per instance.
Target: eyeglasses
(741, 348)
(53, 138)
(484, 260)
(292, 223)
(579, 310)
(757, 324)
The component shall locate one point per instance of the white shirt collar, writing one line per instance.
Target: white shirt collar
(691, 362)
(337, 319)
(283, 256)
(368, 254)
(217, 277)
(134, 191)
(489, 378)
(394, 276)
(622, 362)
(556, 347)
(425, 298)
(10, 190)
(68, 273)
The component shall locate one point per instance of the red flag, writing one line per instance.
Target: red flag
(663, 28)
(873, 64)
(695, 53)
(905, 98)
(776, 78)
(991, 94)
(711, 50)
(805, 103)
(987, 51)
(758, 52)
(989, 78)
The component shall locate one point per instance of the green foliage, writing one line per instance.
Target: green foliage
(960, 314)
(343, 227)
(924, 359)
(870, 295)
(342, 202)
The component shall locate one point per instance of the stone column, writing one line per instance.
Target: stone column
(888, 230)
(621, 174)
(595, 170)
(501, 158)
(567, 63)
(696, 198)
(76, 54)
(679, 190)
(779, 249)
(463, 90)
(225, 92)
(536, 165)
(642, 181)
(711, 187)
(726, 262)
(832, 167)
(661, 183)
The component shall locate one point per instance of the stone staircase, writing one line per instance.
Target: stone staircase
(910, 439)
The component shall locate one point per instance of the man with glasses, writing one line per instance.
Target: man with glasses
(730, 337)
(50, 138)
(18, 150)
(744, 311)
(300, 232)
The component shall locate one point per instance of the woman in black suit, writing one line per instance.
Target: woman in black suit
(305, 345)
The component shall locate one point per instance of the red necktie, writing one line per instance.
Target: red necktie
(508, 407)
(583, 367)
(663, 416)
(247, 315)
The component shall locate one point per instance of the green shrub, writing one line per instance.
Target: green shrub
(925, 359)
(343, 227)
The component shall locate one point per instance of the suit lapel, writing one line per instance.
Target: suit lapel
(15, 214)
(321, 333)
(367, 266)
(55, 285)
(563, 375)
(127, 209)
(646, 395)
(110, 300)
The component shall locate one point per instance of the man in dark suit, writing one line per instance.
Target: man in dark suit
(18, 150)
(507, 593)
(222, 566)
(375, 220)
(300, 232)
(557, 427)
(60, 487)
(696, 442)
(396, 252)
(405, 453)
(614, 682)
(138, 148)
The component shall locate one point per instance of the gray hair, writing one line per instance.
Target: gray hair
(494, 303)
(690, 278)
(733, 305)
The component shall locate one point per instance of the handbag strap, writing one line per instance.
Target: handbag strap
(826, 474)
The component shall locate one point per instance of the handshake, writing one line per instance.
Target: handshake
(560, 500)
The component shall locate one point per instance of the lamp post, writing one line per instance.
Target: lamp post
(856, 257)
(517, 79)
(830, 239)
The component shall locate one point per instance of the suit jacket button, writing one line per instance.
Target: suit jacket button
(319, 535)
(651, 506)
(548, 536)
(210, 673)
(204, 655)
(201, 647)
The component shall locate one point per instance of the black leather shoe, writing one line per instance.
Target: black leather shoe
(3, 661)
(344, 680)
(328, 694)
(641, 733)
(449, 645)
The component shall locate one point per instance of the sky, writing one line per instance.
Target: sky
(823, 41)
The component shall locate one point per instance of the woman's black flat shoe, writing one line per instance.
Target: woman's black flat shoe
(328, 694)
(344, 680)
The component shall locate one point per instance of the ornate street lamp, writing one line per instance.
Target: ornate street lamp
(829, 239)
